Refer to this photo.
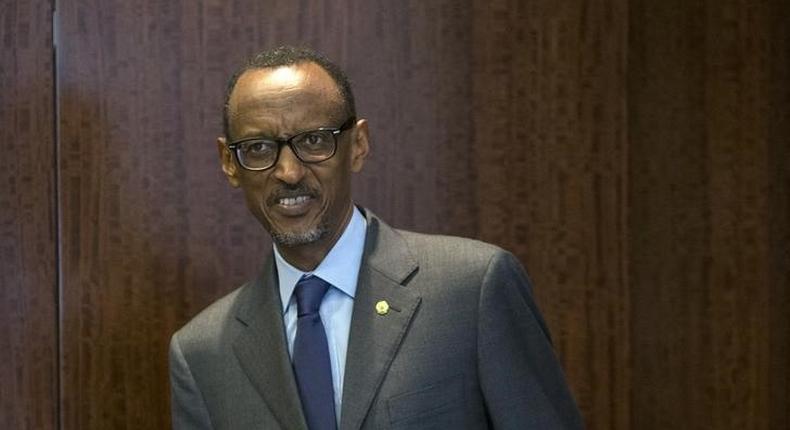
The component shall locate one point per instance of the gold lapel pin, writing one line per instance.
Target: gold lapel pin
(382, 307)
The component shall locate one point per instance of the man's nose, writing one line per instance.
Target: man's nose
(289, 168)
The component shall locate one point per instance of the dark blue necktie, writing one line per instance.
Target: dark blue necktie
(311, 364)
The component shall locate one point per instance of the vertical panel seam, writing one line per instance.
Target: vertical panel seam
(58, 218)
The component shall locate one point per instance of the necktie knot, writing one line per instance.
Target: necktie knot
(309, 294)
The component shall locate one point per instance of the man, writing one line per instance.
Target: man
(353, 324)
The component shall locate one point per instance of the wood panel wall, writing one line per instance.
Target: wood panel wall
(709, 103)
(634, 155)
(28, 235)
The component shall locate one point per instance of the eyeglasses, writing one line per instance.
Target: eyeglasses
(315, 146)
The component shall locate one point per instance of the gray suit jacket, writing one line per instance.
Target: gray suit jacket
(463, 346)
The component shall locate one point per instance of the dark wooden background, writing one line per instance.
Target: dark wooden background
(633, 153)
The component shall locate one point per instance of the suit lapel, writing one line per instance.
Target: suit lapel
(374, 339)
(262, 349)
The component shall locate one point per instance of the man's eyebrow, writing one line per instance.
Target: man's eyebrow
(264, 136)
(268, 137)
(251, 136)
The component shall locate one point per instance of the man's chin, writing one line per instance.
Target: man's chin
(296, 238)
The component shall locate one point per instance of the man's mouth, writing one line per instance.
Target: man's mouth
(289, 202)
(294, 201)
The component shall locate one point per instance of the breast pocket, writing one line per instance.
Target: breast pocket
(438, 405)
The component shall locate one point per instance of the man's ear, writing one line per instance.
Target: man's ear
(360, 147)
(229, 166)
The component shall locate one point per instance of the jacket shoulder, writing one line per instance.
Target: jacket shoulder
(208, 325)
(450, 250)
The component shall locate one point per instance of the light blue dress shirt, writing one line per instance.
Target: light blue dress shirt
(340, 268)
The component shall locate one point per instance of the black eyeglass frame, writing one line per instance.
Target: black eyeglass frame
(235, 146)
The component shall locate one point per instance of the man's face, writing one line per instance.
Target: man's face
(297, 203)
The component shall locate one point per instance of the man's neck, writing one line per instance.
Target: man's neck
(308, 256)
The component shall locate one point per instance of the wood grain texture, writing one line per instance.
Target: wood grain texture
(550, 140)
(414, 81)
(708, 97)
(28, 269)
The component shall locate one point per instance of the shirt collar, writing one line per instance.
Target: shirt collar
(340, 267)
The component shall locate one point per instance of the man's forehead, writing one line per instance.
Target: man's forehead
(284, 84)
(282, 78)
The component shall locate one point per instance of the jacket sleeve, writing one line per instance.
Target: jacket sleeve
(522, 382)
(188, 407)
